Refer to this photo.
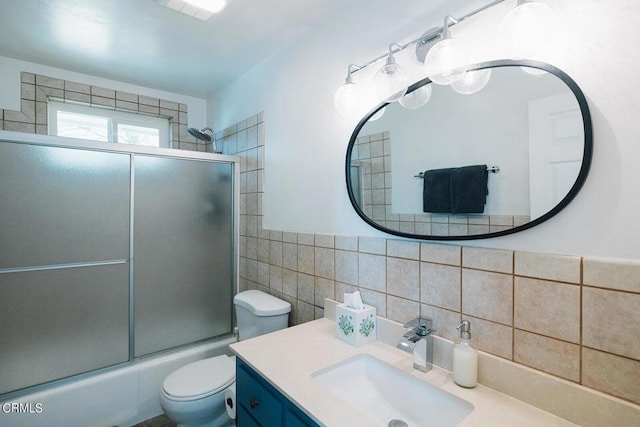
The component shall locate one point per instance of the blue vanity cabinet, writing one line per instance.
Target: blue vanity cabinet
(261, 405)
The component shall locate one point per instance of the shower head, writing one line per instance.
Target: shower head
(199, 134)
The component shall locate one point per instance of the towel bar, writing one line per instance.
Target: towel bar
(492, 169)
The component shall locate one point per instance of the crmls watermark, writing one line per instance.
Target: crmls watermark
(21, 408)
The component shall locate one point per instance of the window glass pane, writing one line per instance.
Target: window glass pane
(138, 135)
(74, 125)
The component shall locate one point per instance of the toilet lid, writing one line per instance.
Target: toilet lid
(202, 378)
(261, 304)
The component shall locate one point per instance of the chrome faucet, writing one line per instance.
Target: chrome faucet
(419, 341)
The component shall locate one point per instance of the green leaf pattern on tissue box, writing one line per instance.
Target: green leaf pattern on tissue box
(367, 325)
(344, 323)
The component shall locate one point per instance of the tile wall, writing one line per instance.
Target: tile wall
(372, 153)
(37, 90)
(574, 317)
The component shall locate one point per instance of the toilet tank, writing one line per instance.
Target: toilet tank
(259, 313)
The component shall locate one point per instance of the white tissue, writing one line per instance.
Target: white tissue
(353, 300)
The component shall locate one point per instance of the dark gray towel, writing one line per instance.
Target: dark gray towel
(455, 190)
(436, 192)
(469, 189)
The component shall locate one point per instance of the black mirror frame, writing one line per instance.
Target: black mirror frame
(580, 180)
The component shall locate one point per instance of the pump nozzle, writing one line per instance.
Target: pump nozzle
(465, 329)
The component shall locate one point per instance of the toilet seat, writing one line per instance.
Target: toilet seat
(200, 379)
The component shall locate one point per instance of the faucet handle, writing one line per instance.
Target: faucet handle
(420, 325)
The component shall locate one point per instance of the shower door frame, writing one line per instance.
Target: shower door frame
(132, 151)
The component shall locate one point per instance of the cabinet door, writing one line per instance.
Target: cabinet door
(243, 419)
(260, 404)
(257, 398)
(294, 417)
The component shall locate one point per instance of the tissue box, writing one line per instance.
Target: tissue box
(356, 326)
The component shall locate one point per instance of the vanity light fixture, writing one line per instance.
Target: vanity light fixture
(201, 9)
(390, 82)
(445, 61)
(346, 98)
(444, 64)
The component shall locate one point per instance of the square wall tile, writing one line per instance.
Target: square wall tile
(372, 272)
(403, 249)
(275, 253)
(611, 374)
(347, 267)
(441, 254)
(440, 285)
(376, 299)
(490, 337)
(325, 263)
(487, 295)
(347, 243)
(290, 282)
(275, 278)
(403, 278)
(306, 239)
(613, 274)
(342, 288)
(547, 354)
(372, 245)
(289, 237)
(290, 256)
(547, 308)
(306, 288)
(611, 321)
(263, 274)
(325, 240)
(563, 268)
(323, 288)
(305, 313)
(444, 321)
(306, 259)
(498, 260)
(263, 250)
(402, 310)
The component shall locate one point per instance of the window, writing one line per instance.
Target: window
(99, 124)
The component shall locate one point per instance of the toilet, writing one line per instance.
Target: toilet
(193, 395)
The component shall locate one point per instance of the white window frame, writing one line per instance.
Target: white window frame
(115, 118)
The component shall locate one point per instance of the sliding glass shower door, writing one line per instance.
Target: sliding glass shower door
(109, 253)
(64, 251)
(183, 265)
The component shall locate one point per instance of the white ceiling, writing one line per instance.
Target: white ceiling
(144, 43)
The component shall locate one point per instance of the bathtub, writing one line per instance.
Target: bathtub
(120, 397)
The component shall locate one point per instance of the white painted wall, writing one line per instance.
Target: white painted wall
(306, 139)
(10, 87)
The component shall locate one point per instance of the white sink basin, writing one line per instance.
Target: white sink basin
(384, 393)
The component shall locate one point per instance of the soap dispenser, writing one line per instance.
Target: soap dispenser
(465, 358)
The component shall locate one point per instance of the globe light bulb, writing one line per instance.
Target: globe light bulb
(346, 98)
(445, 62)
(472, 81)
(526, 29)
(390, 82)
(417, 98)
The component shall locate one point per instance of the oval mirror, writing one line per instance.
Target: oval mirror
(482, 159)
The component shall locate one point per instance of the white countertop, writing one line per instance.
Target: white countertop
(289, 357)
